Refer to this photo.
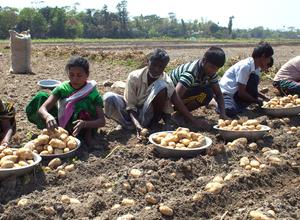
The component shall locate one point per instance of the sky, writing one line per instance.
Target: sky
(272, 14)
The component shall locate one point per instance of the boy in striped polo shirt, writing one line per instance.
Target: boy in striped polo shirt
(197, 82)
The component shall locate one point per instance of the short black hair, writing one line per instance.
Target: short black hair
(159, 55)
(78, 61)
(263, 48)
(215, 56)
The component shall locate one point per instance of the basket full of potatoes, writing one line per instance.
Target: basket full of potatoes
(179, 143)
(282, 106)
(17, 161)
(233, 129)
(54, 143)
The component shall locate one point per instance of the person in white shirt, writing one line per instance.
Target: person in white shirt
(239, 83)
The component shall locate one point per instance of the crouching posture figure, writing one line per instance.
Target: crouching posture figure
(146, 97)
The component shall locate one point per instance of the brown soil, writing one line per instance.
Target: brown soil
(98, 181)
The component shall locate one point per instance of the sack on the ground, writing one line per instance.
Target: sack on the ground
(20, 44)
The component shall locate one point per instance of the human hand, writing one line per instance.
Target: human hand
(202, 124)
(259, 102)
(224, 116)
(79, 125)
(51, 122)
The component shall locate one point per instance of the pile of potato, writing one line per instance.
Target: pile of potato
(240, 125)
(10, 158)
(50, 142)
(182, 138)
(283, 102)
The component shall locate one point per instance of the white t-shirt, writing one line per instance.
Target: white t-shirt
(238, 73)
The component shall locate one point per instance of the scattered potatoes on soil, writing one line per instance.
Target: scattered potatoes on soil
(136, 173)
(283, 102)
(50, 142)
(258, 215)
(126, 217)
(214, 187)
(54, 163)
(23, 202)
(166, 210)
(70, 168)
(128, 202)
(49, 210)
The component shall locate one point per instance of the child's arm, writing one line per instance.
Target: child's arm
(43, 111)
(97, 123)
(7, 129)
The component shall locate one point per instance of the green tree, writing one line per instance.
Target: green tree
(8, 20)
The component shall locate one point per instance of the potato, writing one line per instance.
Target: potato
(172, 144)
(7, 164)
(193, 144)
(12, 158)
(63, 137)
(65, 199)
(42, 139)
(70, 167)
(24, 154)
(44, 152)
(128, 202)
(58, 151)
(165, 210)
(201, 141)
(151, 199)
(54, 163)
(57, 143)
(136, 173)
(185, 141)
(213, 187)
(71, 144)
(183, 134)
(254, 163)
(244, 161)
(8, 151)
(2, 155)
(66, 150)
(23, 163)
(162, 134)
(180, 145)
(50, 149)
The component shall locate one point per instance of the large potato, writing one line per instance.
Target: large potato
(7, 164)
(57, 143)
(24, 154)
(42, 139)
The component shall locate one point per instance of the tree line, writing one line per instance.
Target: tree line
(66, 22)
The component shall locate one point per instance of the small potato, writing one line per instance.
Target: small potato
(201, 141)
(163, 143)
(24, 154)
(12, 158)
(7, 164)
(180, 145)
(71, 144)
(195, 136)
(183, 134)
(157, 139)
(56, 143)
(165, 210)
(30, 161)
(162, 134)
(144, 132)
(44, 152)
(30, 145)
(50, 149)
(8, 151)
(63, 137)
(46, 132)
(172, 144)
(128, 202)
(23, 163)
(213, 187)
(193, 144)
(58, 151)
(62, 131)
(42, 139)
(185, 141)
(70, 168)
(2, 155)
(54, 163)
(66, 150)
(234, 123)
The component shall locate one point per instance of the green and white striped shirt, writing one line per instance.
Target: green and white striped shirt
(191, 74)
